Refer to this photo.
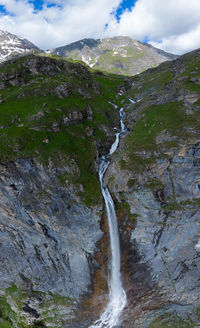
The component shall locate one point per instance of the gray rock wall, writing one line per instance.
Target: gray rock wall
(161, 272)
(47, 236)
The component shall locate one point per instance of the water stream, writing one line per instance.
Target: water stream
(117, 296)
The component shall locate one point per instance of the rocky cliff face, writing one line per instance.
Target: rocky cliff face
(155, 178)
(11, 46)
(120, 55)
(48, 237)
(57, 118)
(162, 269)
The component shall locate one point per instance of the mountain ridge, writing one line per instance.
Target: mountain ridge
(119, 54)
(11, 45)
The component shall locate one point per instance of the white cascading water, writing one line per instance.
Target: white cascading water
(117, 296)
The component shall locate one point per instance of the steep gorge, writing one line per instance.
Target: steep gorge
(58, 118)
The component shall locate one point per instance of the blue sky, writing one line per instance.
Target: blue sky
(2, 9)
(38, 4)
(124, 5)
(172, 25)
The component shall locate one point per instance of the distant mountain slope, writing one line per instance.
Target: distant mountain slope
(11, 45)
(120, 55)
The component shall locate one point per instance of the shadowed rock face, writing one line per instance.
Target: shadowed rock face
(47, 236)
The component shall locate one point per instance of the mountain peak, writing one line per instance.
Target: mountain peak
(12, 45)
(118, 54)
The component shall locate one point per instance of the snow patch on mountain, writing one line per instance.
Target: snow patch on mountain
(12, 45)
(119, 55)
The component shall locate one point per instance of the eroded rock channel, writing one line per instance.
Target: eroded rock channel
(54, 236)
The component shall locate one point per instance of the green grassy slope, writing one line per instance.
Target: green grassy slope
(167, 102)
(57, 110)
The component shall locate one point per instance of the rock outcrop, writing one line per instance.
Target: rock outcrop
(162, 268)
(48, 237)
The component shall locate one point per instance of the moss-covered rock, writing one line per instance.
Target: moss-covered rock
(57, 109)
(21, 308)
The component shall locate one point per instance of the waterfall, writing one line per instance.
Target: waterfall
(117, 296)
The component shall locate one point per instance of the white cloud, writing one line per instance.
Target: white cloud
(56, 26)
(173, 25)
(180, 43)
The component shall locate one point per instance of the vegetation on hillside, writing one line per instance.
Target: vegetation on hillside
(54, 109)
(166, 112)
